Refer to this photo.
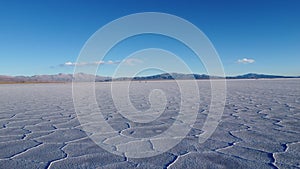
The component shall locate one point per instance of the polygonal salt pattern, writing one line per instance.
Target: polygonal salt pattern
(260, 127)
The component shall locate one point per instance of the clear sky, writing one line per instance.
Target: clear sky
(45, 37)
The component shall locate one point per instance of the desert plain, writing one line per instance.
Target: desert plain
(259, 128)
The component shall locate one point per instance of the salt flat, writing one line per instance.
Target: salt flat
(260, 127)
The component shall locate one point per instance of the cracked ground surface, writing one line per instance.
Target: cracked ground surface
(260, 128)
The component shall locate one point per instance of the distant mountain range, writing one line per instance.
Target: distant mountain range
(165, 76)
(259, 76)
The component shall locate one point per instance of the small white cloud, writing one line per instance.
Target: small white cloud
(129, 61)
(69, 64)
(99, 62)
(132, 61)
(73, 64)
(245, 61)
(110, 62)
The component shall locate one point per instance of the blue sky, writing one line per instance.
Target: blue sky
(40, 37)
